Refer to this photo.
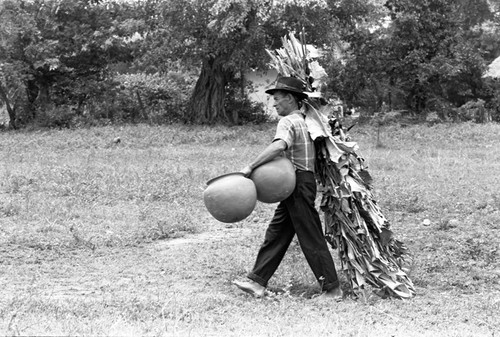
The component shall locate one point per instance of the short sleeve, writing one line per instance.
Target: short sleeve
(285, 132)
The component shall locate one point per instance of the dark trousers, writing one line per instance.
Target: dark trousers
(296, 215)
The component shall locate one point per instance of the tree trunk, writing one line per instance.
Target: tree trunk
(43, 95)
(392, 84)
(11, 110)
(32, 92)
(206, 105)
(142, 109)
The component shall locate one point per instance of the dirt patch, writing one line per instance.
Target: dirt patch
(83, 273)
(217, 233)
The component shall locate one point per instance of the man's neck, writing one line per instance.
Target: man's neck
(293, 111)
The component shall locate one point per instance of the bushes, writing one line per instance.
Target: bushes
(239, 108)
(481, 110)
(128, 98)
(473, 111)
(493, 93)
(155, 98)
(151, 98)
(245, 111)
(494, 107)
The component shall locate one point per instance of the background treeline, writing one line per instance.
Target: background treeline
(70, 63)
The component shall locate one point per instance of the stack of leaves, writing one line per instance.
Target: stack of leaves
(354, 223)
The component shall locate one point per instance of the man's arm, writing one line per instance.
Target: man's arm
(269, 153)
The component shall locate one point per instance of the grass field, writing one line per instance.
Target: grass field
(107, 238)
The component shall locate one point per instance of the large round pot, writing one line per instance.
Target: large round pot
(230, 197)
(274, 180)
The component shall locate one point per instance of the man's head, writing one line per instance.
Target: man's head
(287, 94)
(285, 102)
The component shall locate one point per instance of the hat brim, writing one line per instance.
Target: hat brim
(295, 92)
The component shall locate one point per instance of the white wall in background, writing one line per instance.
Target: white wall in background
(262, 81)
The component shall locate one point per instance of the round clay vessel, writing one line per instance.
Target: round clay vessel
(230, 197)
(274, 180)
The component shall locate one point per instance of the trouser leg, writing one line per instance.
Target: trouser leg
(278, 237)
(307, 225)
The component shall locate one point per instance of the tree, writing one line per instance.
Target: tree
(416, 55)
(225, 38)
(57, 50)
(433, 51)
(358, 53)
(17, 26)
(220, 37)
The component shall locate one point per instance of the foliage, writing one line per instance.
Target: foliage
(492, 97)
(414, 53)
(219, 37)
(128, 98)
(356, 60)
(59, 50)
(16, 26)
(474, 111)
(406, 54)
(155, 97)
(226, 38)
(245, 111)
(61, 117)
(452, 65)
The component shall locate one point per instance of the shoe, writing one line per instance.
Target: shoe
(335, 294)
(251, 287)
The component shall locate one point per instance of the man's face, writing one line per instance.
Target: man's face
(283, 103)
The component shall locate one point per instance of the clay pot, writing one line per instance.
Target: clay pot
(274, 180)
(230, 197)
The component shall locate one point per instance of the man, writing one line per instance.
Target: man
(296, 214)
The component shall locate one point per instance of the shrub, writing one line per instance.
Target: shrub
(494, 107)
(245, 111)
(60, 117)
(241, 109)
(154, 97)
(493, 98)
(79, 103)
(473, 111)
(440, 108)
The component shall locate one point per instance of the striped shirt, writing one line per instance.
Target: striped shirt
(300, 148)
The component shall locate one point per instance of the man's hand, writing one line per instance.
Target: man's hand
(247, 170)
(270, 152)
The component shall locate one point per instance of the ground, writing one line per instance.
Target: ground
(182, 286)
(106, 239)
